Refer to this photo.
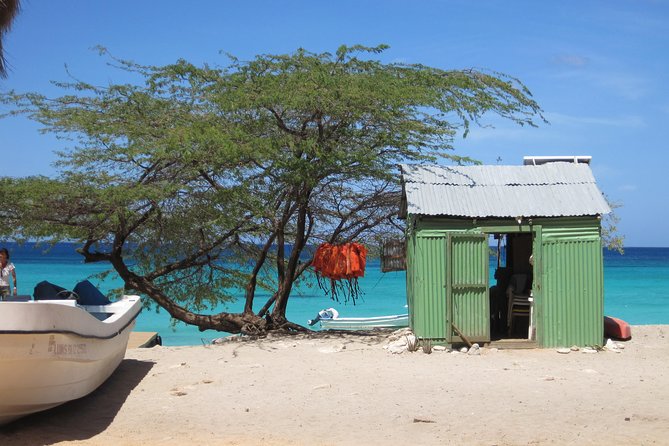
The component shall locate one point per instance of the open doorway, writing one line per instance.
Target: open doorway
(511, 301)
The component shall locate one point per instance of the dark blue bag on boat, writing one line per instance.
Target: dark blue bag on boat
(89, 294)
(49, 291)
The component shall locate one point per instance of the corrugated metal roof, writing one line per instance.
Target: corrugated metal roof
(548, 190)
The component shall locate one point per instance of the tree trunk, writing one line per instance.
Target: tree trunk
(247, 323)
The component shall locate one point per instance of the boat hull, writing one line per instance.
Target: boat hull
(617, 328)
(365, 323)
(42, 367)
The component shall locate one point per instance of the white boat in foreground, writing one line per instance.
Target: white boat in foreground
(329, 320)
(54, 351)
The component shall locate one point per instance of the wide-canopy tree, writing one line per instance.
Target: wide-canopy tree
(201, 183)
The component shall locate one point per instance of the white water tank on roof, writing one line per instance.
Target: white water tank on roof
(538, 160)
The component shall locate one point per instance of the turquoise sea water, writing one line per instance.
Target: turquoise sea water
(636, 289)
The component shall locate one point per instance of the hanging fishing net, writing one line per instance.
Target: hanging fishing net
(337, 269)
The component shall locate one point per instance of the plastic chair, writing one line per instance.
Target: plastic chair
(519, 301)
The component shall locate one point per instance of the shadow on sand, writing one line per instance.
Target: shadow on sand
(80, 419)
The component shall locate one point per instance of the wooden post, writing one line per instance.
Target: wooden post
(459, 333)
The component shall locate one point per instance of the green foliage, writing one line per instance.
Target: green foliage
(203, 180)
(611, 239)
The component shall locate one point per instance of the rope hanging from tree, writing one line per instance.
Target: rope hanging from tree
(342, 265)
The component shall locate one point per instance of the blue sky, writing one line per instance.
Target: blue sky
(599, 70)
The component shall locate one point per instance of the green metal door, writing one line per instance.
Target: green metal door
(467, 300)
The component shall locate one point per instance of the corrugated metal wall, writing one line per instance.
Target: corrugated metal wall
(410, 273)
(468, 284)
(571, 309)
(435, 285)
(427, 285)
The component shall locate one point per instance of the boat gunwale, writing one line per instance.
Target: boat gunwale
(371, 318)
(75, 333)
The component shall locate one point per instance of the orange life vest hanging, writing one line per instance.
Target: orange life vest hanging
(339, 263)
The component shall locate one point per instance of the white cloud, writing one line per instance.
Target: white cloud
(628, 188)
(481, 133)
(573, 60)
(628, 86)
(606, 72)
(629, 121)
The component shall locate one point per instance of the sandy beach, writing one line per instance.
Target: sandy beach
(349, 390)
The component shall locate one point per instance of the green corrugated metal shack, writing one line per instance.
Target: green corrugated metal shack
(545, 218)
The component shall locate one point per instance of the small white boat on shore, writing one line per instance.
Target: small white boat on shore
(54, 351)
(329, 320)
